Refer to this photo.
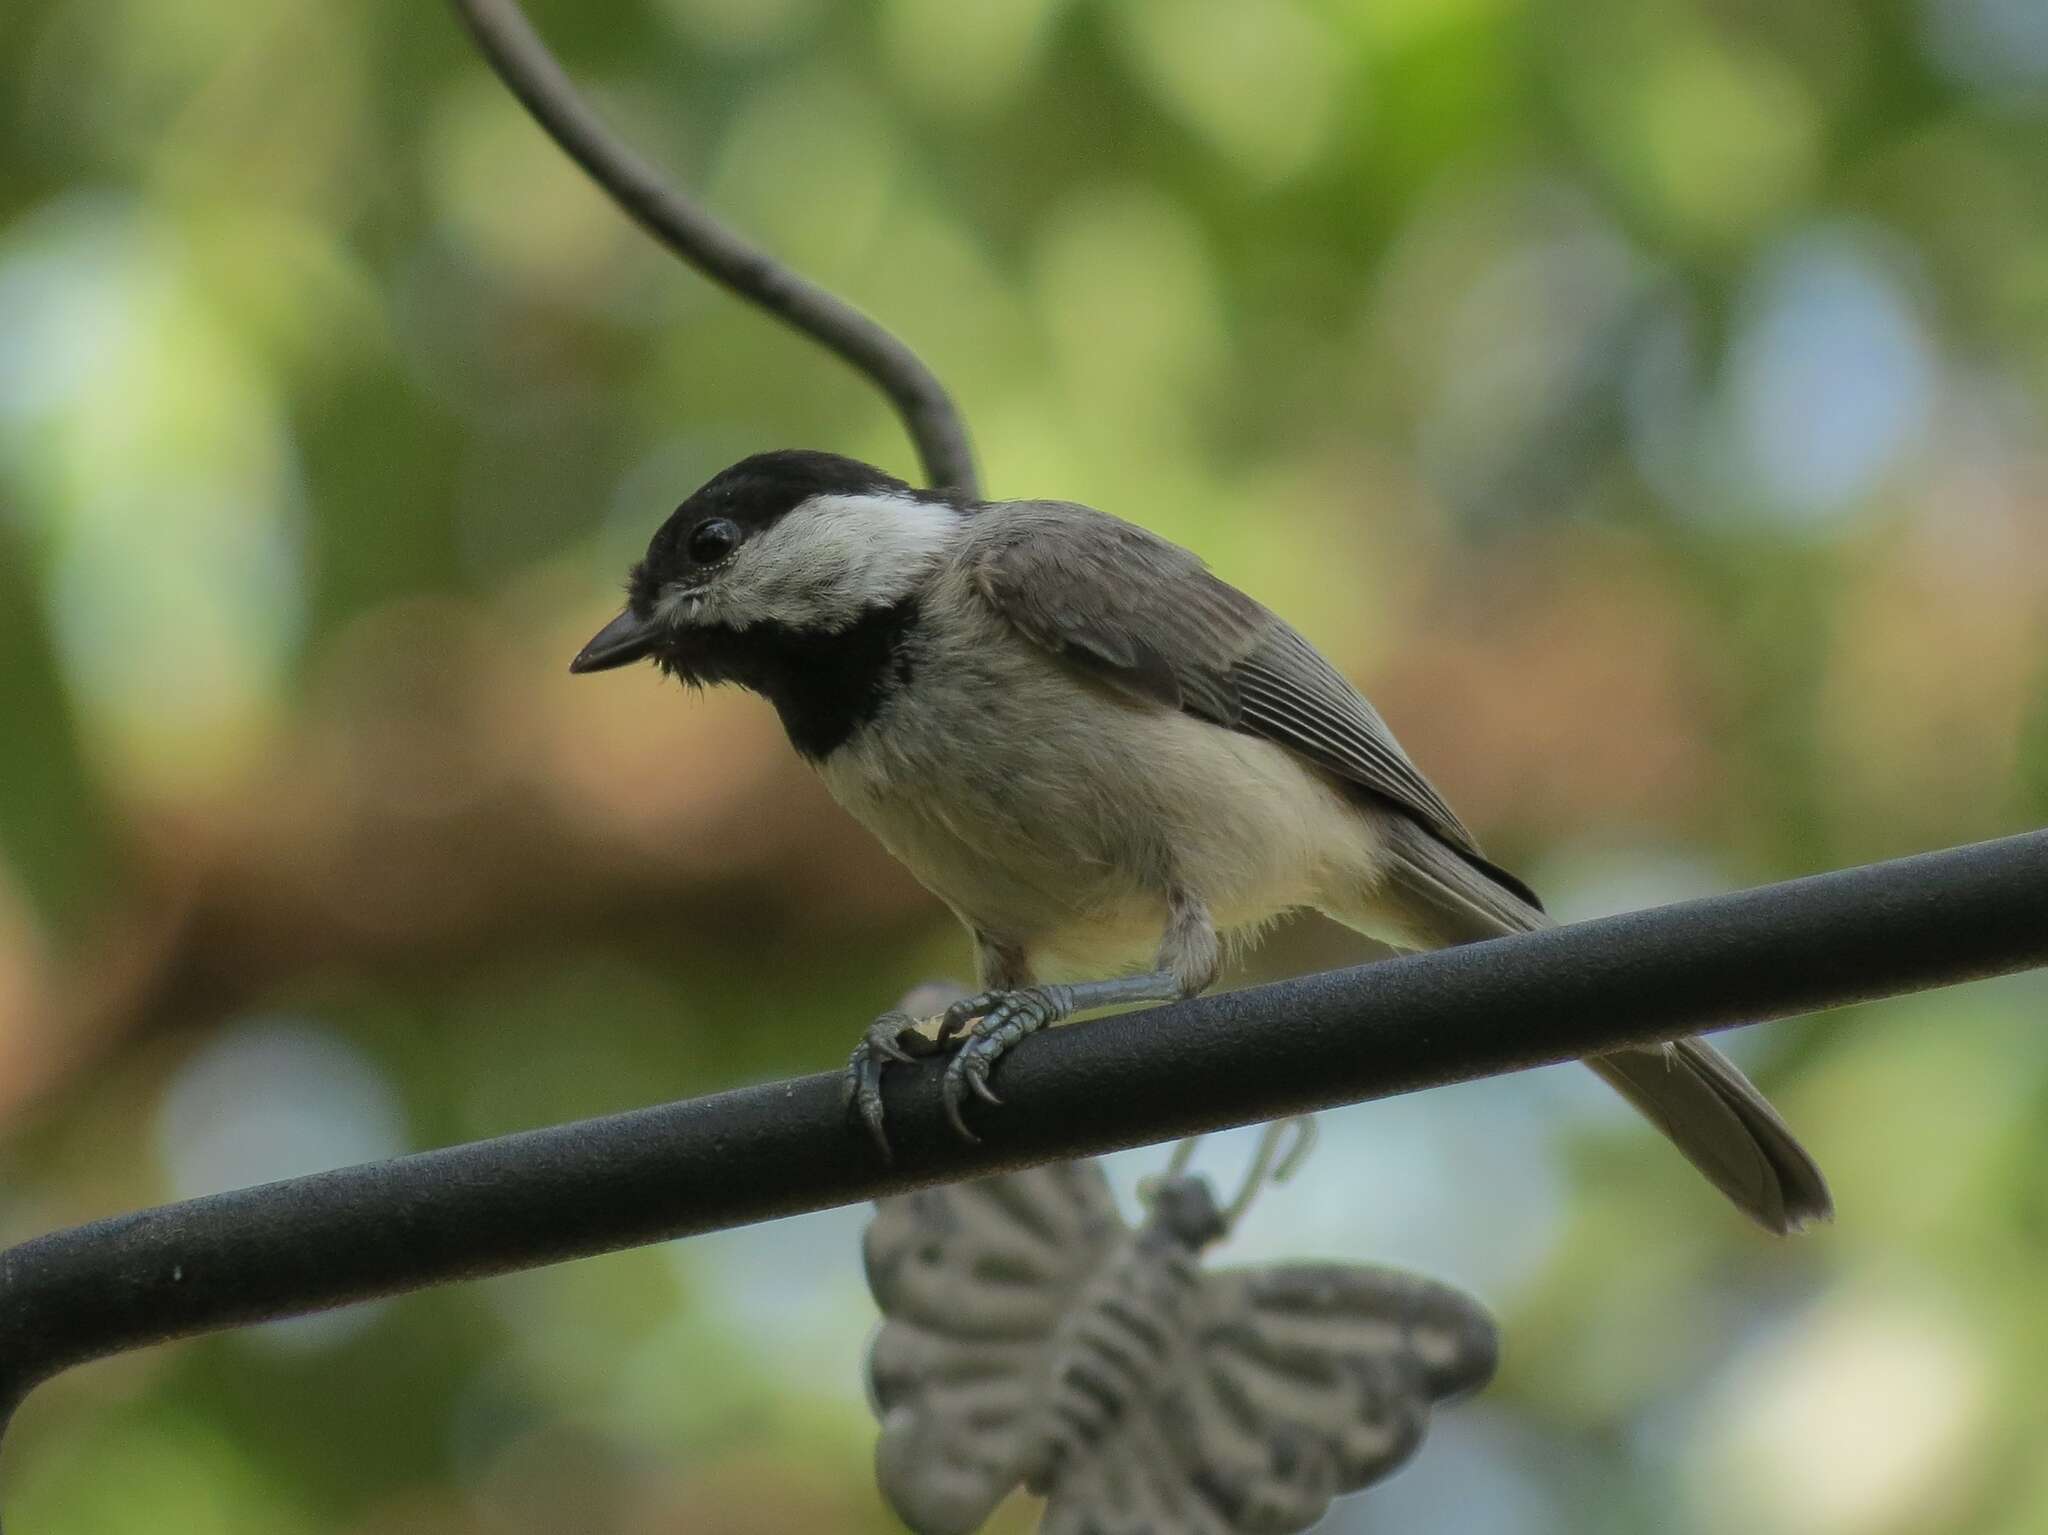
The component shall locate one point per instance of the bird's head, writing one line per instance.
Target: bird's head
(781, 544)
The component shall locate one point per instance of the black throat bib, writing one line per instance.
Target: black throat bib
(824, 685)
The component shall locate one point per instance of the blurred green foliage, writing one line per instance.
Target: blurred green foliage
(1645, 400)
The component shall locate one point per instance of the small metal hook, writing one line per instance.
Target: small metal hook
(1176, 1167)
(1269, 1164)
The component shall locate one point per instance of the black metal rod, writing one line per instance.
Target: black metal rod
(306, 1244)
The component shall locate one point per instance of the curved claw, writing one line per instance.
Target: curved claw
(863, 1090)
(978, 1080)
(954, 1095)
(968, 1072)
(1000, 1020)
(953, 1116)
(891, 1037)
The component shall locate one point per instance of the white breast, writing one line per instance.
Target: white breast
(1054, 813)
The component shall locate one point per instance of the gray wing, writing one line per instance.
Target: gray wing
(1152, 620)
(1298, 1384)
(972, 1278)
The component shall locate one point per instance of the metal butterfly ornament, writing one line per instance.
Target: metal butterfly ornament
(1030, 1337)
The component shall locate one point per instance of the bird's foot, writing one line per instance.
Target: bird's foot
(892, 1037)
(993, 1021)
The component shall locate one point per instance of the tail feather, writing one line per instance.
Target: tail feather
(1690, 1091)
(1727, 1129)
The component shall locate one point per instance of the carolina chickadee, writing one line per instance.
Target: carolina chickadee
(1092, 749)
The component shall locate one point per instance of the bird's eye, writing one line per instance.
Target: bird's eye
(712, 540)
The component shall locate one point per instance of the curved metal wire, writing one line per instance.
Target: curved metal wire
(531, 73)
(1269, 1165)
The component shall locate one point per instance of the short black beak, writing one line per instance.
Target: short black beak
(621, 642)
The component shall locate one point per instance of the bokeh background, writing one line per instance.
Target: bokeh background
(1643, 398)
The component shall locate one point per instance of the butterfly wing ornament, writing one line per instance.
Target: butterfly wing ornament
(1298, 1383)
(1031, 1337)
(976, 1282)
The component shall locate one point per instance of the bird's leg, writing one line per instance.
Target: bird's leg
(892, 1037)
(999, 1016)
(895, 1036)
(993, 1021)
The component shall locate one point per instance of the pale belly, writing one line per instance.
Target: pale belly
(1065, 843)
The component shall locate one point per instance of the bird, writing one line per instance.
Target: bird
(1107, 761)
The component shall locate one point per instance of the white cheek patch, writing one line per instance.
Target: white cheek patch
(823, 565)
(678, 608)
